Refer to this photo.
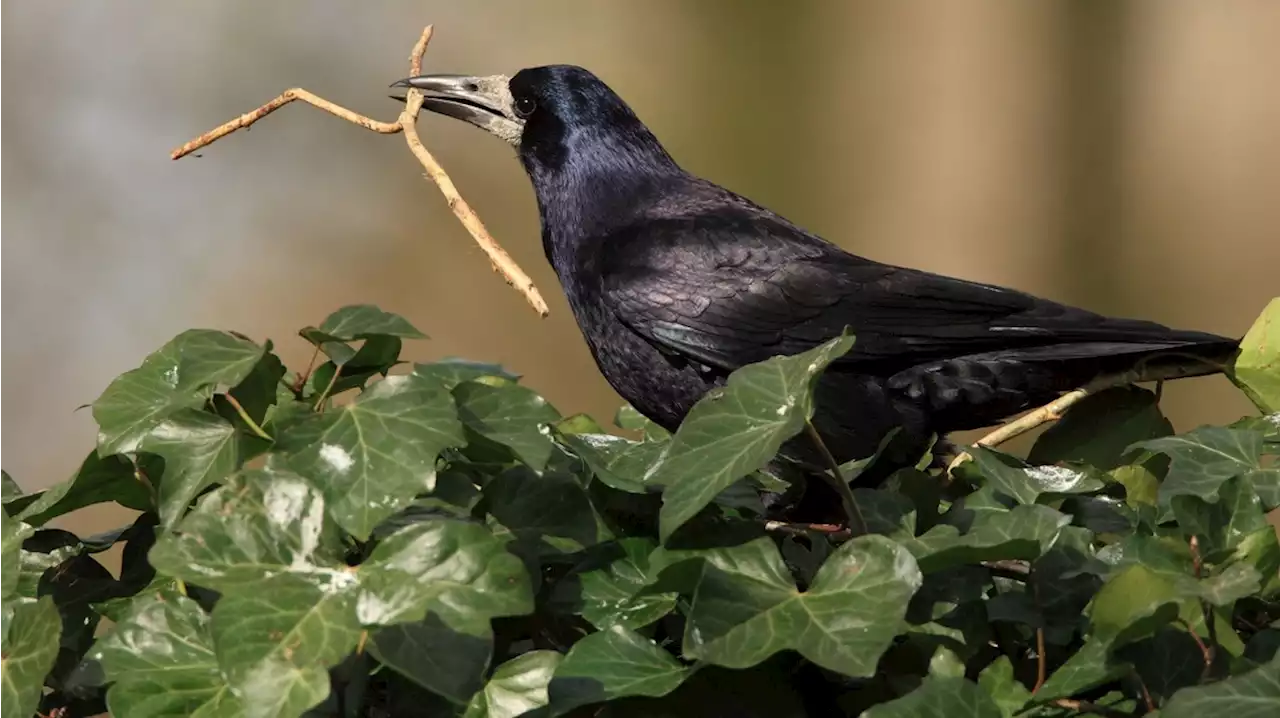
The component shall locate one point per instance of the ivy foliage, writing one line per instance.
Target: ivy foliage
(369, 537)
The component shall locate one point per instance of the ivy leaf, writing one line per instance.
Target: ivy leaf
(551, 511)
(259, 524)
(618, 462)
(11, 490)
(1254, 694)
(1202, 459)
(275, 643)
(159, 658)
(30, 646)
(1256, 369)
(360, 321)
(372, 456)
(1221, 525)
(98, 480)
(1087, 668)
(746, 606)
(450, 372)
(614, 594)
(1000, 683)
(1133, 604)
(940, 697)
(1024, 483)
(628, 418)
(737, 429)
(180, 375)
(511, 415)
(442, 564)
(614, 663)
(1234, 582)
(14, 531)
(516, 687)
(447, 652)
(1024, 533)
(199, 449)
(1099, 430)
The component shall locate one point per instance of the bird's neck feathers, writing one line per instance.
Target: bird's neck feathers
(590, 179)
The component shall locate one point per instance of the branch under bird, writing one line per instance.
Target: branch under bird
(675, 282)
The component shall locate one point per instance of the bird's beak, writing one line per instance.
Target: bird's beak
(482, 101)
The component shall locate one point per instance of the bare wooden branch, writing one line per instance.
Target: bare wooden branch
(406, 123)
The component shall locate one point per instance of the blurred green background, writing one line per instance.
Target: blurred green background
(1124, 156)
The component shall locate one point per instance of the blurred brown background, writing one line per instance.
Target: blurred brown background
(1124, 156)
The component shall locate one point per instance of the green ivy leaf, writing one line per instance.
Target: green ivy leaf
(372, 456)
(998, 680)
(98, 480)
(551, 511)
(511, 415)
(940, 698)
(199, 449)
(180, 375)
(160, 660)
(1023, 533)
(1254, 694)
(737, 429)
(1024, 483)
(31, 635)
(1202, 459)
(11, 490)
(13, 532)
(1141, 487)
(1233, 583)
(1099, 430)
(1222, 524)
(628, 418)
(516, 687)
(442, 565)
(275, 643)
(1256, 369)
(259, 524)
(450, 372)
(614, 594)
(360, 321)
(613, 663)
(1133, 604)
(447, 652)
(618, 462)
(746, 606)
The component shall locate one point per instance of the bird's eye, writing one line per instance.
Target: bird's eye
(525, 106)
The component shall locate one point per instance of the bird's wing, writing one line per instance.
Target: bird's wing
(732, 291)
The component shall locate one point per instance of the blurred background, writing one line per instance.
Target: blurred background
(1123, 156)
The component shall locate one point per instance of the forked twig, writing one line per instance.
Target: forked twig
(498, 257)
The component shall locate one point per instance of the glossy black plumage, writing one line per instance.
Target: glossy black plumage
(675, 282)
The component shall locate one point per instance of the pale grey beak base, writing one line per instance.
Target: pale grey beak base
(481, 101)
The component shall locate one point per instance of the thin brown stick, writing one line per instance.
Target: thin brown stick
(1209, 650)
(498, 257)
(1055, 409)
(1087, 707)
(832, 530)
(1041, 660)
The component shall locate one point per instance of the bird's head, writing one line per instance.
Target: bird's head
(554, 115)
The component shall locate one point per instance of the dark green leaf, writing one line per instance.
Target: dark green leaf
(450, 372)
(98, 480)
(1023, 533)
(746, 606)
(1234, 513)
(1256, 369)
(551, 511)
(160, 660)
(440, 565)
(259, 524)
(1255, 694)
(1166, 662)
(1087, 668)
(620, 463)
(940, 698)
(372, 456)
(516, 687)
(1133, 604)
(199, 450)
(1099, 430)
(511, 415)
(30, 647)
(737, 429)
(613, 594)
(999, 682)
(447, 656)
(14, 531)
(886, 512)
(1025, 484)
(360, 321)
(612, 664)
(1234, 582)
(181, 375)
(276, 642)
(1204, 458)
(11, 490)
